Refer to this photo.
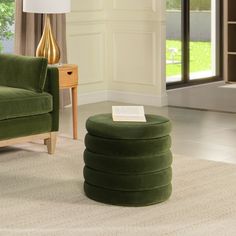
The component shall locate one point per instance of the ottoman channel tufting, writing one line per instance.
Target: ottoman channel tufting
(128, 163)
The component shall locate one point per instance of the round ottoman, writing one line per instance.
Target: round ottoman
(128, 163)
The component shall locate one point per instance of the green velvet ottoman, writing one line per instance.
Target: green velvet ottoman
(128, 163)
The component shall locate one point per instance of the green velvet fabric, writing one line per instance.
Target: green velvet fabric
(128, 182)
(128, 198)
(34, 124)
(23, 72)
(52, 87)
(128, 163)
(15, 102)
(103, 126)
(124, 164)
(25, 126)
(129, 147)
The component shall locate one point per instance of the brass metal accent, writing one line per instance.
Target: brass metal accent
(48, 46)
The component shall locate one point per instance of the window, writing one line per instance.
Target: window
(6, 26)
(193, 45)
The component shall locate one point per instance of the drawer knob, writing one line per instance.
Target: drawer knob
(69, 72)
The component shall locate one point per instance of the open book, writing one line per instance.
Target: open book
(128, 113)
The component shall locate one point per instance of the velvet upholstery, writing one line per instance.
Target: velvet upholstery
(52, 87)
(23, 72)
(128, 182)
(104, 126)
(29, 97)
(127, 147)
(128, 163)
(15, 102)
(128, 198)
(25, 126)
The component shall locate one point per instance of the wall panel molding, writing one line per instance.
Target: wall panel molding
(133, 61)
(134, 5)
(88, 51)
(87, 6)
(119, 48)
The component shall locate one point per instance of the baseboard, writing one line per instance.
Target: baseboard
(93, 97)
(124, 97)
(138, 98)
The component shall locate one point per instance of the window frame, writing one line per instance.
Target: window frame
(185, 39)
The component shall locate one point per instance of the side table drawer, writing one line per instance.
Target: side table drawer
(68, 77)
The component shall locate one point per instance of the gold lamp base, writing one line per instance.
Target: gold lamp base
(48, 46)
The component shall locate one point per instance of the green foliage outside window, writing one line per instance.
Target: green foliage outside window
(6, 20)
(195, 5)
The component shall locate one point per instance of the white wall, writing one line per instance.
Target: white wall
(119, 46)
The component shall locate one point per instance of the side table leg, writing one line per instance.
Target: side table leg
(75, 112)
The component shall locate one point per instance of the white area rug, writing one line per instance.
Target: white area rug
(43, 195)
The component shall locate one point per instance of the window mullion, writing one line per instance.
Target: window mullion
(185, 40)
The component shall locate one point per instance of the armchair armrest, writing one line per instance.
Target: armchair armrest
(52, 87)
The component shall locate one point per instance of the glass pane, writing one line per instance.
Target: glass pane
(204, 38)
(173, 41)
(6, 26)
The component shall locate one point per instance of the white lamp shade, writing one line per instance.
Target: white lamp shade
(47, 6)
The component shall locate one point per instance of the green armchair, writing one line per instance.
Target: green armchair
(29, 101)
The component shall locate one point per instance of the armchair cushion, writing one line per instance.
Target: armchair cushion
(15, 103)
(23, 72)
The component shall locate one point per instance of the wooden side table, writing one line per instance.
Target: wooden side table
(68, 79)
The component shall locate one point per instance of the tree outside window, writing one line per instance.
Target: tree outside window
(6, 21)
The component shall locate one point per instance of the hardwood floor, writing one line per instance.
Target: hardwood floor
(197, 134)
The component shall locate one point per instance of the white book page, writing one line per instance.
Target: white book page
(128, 113)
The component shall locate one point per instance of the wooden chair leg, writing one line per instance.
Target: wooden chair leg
(51, 142)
